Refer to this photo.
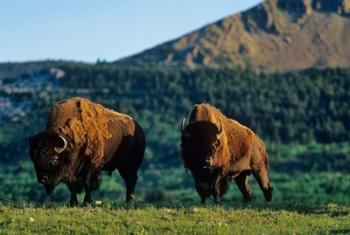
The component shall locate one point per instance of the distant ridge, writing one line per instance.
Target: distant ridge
(275, 36)
(14, 69)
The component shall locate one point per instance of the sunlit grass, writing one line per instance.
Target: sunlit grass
(176, 218)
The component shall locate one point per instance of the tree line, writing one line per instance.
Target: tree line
(297, 107)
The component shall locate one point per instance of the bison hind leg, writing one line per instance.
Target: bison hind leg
(243, 185)
(261, 175)
(268, 193)
(130, 178)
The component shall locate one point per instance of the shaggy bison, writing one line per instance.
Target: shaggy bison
(216, 149)
(80, 140)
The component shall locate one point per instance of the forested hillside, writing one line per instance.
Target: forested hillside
(312, 105)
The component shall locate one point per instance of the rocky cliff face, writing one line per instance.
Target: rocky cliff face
(275, 36)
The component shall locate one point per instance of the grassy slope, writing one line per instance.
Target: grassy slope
(150, 219)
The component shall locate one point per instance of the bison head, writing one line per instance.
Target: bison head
(48, 153)
(200, 142)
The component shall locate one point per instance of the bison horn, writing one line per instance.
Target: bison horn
(220, 128)
(183, 123)
(65, 144)
(183, 127)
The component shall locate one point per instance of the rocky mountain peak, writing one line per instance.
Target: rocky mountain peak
(274, 36)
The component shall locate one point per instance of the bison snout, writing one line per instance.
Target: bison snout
(44, 179)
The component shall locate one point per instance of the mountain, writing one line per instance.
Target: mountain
(275, 36)
(14, 69)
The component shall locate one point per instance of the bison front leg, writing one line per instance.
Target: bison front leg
(73, 202)
(262, 176)
(203, 190)
(224, 186)
(217, 190)
(87, 197)
(243, 186)
(91, 183)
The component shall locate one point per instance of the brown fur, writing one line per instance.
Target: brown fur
(240, 151)
(86, 123)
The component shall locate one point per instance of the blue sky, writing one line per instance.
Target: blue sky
(110, 29)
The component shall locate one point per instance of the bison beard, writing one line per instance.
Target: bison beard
(217, 149)
(82, 139)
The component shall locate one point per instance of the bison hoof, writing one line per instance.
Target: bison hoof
(247, 200)
(88, 204)
(268, 194)
(217, 202)
(268, 197)
(129, 204)
(129, 197)
(73, 203)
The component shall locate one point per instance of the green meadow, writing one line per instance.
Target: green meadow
(176, 218)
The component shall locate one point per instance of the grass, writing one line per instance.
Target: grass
(176, 219)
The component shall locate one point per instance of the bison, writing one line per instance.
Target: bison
(217, 149)
(82, 139)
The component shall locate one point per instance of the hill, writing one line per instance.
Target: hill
(275, 36)
(14, 69)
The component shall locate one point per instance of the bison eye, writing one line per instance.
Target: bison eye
(216, 144)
